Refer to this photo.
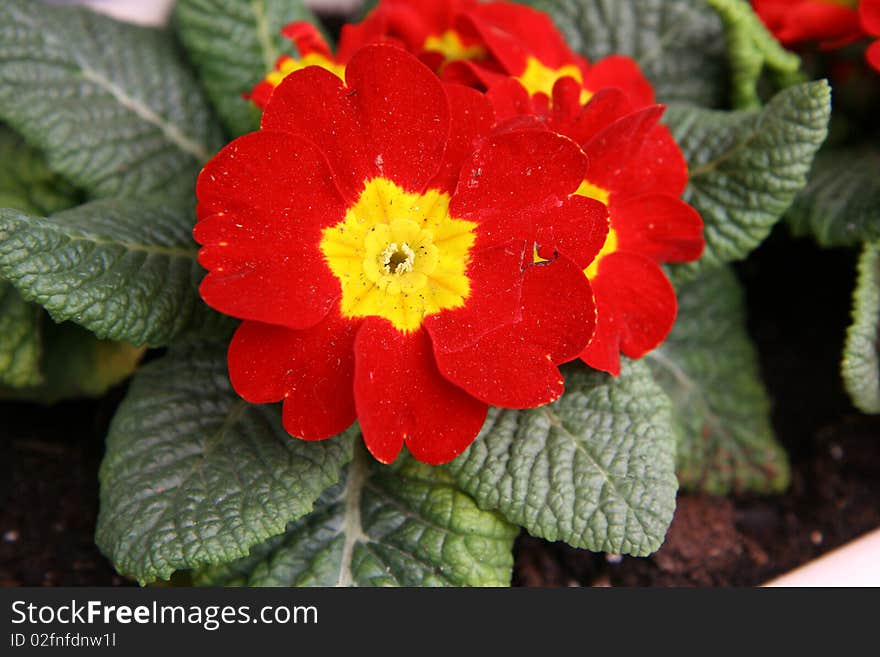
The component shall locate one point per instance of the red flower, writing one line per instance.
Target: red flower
(313, 51)
(523, 43)
(426, 28)
(384, 270)
(869, 15)
(832, 23)
(638, 171)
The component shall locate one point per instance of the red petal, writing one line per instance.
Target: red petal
(510, 99)
(312, 370)
(659, 167)
(495, 276)
(612, 150)
(264, 200)
(515, 173)
(621, 72)
(869, 15)
(582, 123)
(577, 230)
(873, 55)
(514, 32)
(516, 366)
(392, 120)
(307, 38)
(659, 226)
(603, 350)
(637, 294)
(471, 118)
(402, 397)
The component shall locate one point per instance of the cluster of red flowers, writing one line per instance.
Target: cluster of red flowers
(435, 218)
(831, 23)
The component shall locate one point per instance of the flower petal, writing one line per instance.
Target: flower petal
(515, 366)
(635, 306)
(312, 370)
(621, 72)
(659, 226)
(659, 167)
(263, 202)
(471, 118)
(516, 173)
(391, 120)
(402, 397)
(869, 15)
(612, 151)
(495, 275)
(581, 122)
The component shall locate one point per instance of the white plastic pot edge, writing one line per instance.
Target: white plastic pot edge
(855, 564)
(156, 12)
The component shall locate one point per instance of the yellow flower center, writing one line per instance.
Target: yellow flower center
(539, 79)
(289, 65)
(399, 255)
(602, 195)
(450, 45)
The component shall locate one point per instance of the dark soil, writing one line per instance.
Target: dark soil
(798, 300)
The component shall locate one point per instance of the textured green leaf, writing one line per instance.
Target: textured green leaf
(110, 104)
(746, 166)
(840, 206)
(20, 344)
(125, 269)
(861, 361)
(752, 49)
(596, 469)
(406, 525)
(76, 364)
(194, 476)
(233, 44)
(678, 43)
(709, 368)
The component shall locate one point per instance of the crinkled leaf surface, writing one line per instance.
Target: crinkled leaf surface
(861, 361)
(234, 44)
(679, 44)
(125, 269)
(595, 469)
(194, 476)
(709, 368)
(746, 166)
(406, 525)
(840, 206)
(111, 105)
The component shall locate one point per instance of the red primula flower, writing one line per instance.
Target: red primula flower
(636, 169)
(425, 28)
(869, 15)
(523, 43)
(832, 23)
(313, 51)
(384, 268)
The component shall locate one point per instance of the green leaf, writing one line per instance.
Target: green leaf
(596, 469)
(861, 362)
(26, 181)
(746, 166)
(194, 476)
(20, 345)
(752, 49)
(234, 44)
(405, 525)
(840, 206)
(678, 44)
(110, 104)
(709, 368)
(76, 364)
(125, 269)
